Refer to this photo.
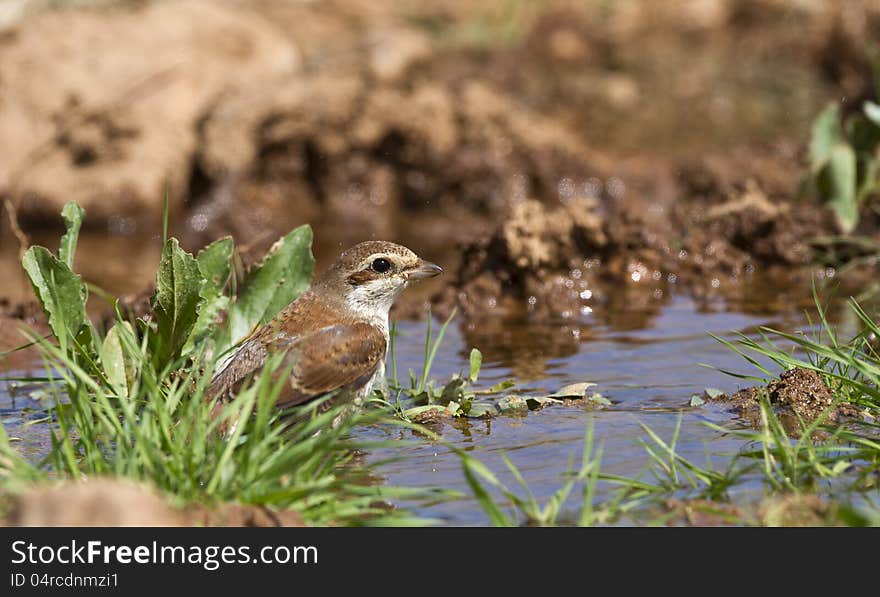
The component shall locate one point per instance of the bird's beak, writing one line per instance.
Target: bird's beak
(425, 269)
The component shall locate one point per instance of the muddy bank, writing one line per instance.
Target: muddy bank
(558, 261)
(798, 398)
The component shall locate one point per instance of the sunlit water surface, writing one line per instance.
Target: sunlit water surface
(647, 365)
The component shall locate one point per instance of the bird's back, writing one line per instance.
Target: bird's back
(322, 353)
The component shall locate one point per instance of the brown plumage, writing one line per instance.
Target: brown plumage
(335, 335)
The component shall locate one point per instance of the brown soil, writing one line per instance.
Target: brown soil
(108, 502)
(774, 511)
(13, 320)
(555, 261)
(799, 397)
(798, 511)
(703, 513)
(110, 124)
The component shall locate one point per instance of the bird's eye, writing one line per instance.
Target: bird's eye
(381, 265)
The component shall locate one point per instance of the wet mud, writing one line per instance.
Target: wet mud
(798, 398)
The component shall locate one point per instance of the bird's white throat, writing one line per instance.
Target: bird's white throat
(373, 300)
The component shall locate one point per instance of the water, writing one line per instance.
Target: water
(649, 374)
(646, 362)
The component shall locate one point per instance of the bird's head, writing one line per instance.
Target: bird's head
(370, 275)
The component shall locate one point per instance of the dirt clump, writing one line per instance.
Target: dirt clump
(15, 318)
(703, 513)
(105, 502)
(557, 261)
(520, 262)
(110, 124)
(374, 154)
(799, 395)
(797, 511)
(100, 502)
(241, 515)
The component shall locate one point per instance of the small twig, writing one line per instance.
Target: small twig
(23, 240)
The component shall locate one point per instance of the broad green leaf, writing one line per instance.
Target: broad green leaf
(869, 169)
(116, 369)
(842, 179)
(696, 400)
(476, 363)
(73, 216)
(215, 266)
(713, 393)
(284, 274)
(453, 390)
(215, 263)
(872, 111)
(826, 133)
(61, 292)
(178, 298)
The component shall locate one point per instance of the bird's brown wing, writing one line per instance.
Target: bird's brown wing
(246, 360)
(336, 357)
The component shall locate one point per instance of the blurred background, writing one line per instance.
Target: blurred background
(515, 137)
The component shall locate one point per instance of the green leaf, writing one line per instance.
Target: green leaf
(872, 111)
(453, 390)
(713, 392)
(476, 363)
(498, 387)
(61, 292)
(826, 133)
(215, 266)
(697, 401)
(842, 178)
(215, 263)
(178, 298)
(284, 274)
(73, 215)
(116, 369)
(870, 177)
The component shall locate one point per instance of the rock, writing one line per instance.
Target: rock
(109, 125)
(99, 502)
(107, 502)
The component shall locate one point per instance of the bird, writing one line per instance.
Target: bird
(334, 336)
